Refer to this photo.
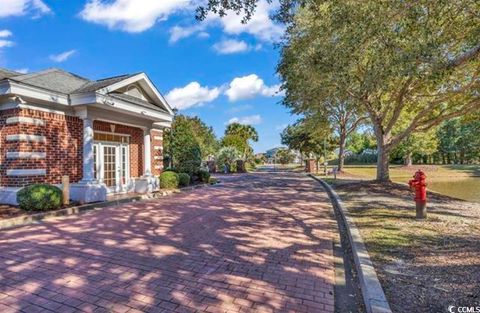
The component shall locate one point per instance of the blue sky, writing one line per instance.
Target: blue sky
(220, 69)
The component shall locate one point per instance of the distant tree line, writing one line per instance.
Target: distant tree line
(406, 70)
(189, 143)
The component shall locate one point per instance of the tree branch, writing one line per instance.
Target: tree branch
(399, 105)
(464, 57)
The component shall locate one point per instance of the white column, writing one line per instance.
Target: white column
(147, 153)
(88, 165)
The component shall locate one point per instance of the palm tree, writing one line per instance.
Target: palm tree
(244, 132)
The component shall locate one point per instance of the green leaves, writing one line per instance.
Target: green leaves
(238, 136)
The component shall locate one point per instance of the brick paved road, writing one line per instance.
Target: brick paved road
(256, 243)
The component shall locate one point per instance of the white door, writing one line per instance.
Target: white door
(112, 166)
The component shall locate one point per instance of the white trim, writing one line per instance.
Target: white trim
(132, 108)
(26, 137)
(37, 93)
(138, 78)
(157, 157)
(158, 167)
(142, 127)
(25, 120)
(110, 133)
(13, 105)
(162, 125)
(158, 147)
(147, 154)
(158, 137)
(26, 155)
(29, 172)
(100, 169)
(8, 195)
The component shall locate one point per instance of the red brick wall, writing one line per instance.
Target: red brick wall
(157, 154)
(63, 147)
(136, 143)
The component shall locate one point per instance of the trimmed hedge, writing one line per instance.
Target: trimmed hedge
(40, 197)
(169, 179)
(183, 179)
(203, 175)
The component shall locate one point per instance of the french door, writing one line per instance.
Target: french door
(111, 162)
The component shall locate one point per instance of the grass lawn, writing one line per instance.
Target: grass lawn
(403, 173)
(458, 181)
(424, 266)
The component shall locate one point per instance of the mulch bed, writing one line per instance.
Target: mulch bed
(424, 266)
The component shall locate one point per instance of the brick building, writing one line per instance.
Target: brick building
(106, 135)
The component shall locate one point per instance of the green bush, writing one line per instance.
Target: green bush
(40, 197)
(169, 179)
(203, 175)
(212, 181)
(183, 179)
(227, 157)
(171, 169)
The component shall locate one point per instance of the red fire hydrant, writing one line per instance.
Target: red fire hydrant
(418, 183)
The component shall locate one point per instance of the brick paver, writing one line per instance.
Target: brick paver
(255, 243)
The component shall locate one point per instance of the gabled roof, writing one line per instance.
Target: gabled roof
(4, 73)
(102, 83)
(60, 81)
(135, 100)
(53, 79)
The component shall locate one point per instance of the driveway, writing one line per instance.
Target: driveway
(254, 243)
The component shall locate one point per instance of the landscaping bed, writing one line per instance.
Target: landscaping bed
(424, 266)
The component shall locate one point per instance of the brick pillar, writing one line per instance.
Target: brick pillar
(310, 166)
(157, 151)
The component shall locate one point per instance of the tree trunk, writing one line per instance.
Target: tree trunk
(341, 152)
(383, 156)
(408, 159)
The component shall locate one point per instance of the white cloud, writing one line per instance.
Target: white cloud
(5, 33)
(132, 15)
(22, 70)
(240, 108)
(139, 15)
(6, 43)
(260, 25)
(179, 32)
(203, 34)
(191, 95)
(62, 57)
(246, 120)
(248, 87)
(281, 127)
(230, 46)
(22, 7)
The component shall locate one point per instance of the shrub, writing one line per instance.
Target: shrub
(169, 179)
(40, 197)
(227, 157)
(212, 181)
(171, 169)
(183, 179)
(203, 175)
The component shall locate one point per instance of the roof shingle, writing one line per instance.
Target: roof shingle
(58, 80)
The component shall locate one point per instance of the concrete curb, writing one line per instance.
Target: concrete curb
(372, 291)
(39, 217)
